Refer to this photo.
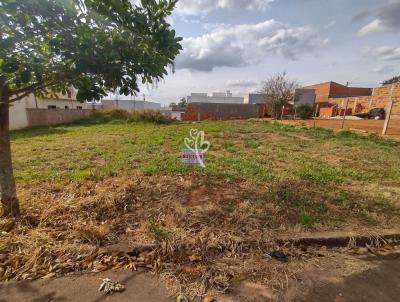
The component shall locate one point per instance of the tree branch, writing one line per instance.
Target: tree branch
(28, 92)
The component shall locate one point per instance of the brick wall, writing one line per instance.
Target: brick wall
(337, 90)
(379, 99)
(321, 91)
(325, 91)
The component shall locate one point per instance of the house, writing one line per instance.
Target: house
(215, 97)
(304, 97)
(328, 90)
(255, 98)
(174, 113)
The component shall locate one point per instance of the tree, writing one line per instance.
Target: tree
(304, 111)
(278, 91)
(182, 103)
(95, 46)
(391, 81)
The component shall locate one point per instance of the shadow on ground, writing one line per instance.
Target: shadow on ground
(381, 283)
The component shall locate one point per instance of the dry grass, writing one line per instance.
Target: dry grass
(212, 233)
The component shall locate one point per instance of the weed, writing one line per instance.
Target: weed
(157, 231)
(306, 219)
(230, 147)
(251, 143)
(320, 173)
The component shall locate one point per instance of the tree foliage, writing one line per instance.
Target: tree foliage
(279, 91)
(181, 104)
(391, 81)
(95, 46)
(304, 111)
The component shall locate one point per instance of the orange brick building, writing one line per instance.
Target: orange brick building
(328, 95)
(325, 91)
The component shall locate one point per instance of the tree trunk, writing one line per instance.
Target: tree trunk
(8, 194)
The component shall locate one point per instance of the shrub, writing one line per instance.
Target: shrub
(304, 111)
(147, 116)
(150, 116)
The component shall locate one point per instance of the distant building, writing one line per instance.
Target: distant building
(173, 113)
(255, 98)
(327, 90)
(304, 97)
(215, 97)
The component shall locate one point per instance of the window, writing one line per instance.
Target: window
(78, 107)
(66, 107)
(51, 107)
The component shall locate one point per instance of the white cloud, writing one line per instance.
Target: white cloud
(383, 69)
(240, 45)
(241, 83)
(385, 53)
(372, 27)
(388, 18)
(193, 7)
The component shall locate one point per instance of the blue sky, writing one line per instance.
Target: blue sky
(236, 44)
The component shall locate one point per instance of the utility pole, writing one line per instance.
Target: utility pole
(315, 113)
(131, 102)
(347, 104)
(389, 110)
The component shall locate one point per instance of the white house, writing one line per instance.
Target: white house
(215, 97)
(173, 113)
(255, 98)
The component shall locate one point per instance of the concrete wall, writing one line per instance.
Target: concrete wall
(130, 105)
(49, 117)
(221, 111)
(18, 113)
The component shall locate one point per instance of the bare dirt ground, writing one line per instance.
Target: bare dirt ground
(371, 126)
(366, 278)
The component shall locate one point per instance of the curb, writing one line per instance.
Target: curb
(343, 240)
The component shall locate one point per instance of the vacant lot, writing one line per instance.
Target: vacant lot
(370, 126)
(88, 186)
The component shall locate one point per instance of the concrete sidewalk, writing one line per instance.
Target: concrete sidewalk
(379, 283)
(139, 287)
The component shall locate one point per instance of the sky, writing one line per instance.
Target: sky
(237, 44)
